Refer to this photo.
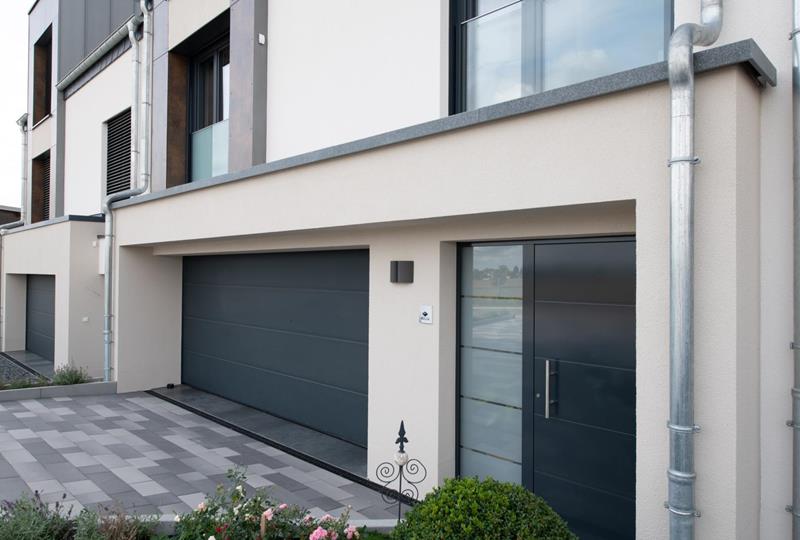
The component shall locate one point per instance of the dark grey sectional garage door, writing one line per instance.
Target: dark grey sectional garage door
(40, 315)
(282, 332)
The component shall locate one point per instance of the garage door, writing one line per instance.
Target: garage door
(282, 332)
(40, 315)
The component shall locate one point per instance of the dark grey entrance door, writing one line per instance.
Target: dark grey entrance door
(40, 315)
(285, 333)
(548, 380)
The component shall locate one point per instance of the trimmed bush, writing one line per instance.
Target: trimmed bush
(470, 509)
(70, 375)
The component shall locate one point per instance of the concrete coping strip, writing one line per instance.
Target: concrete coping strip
(66, 390)
(55, 221)
(745, 52)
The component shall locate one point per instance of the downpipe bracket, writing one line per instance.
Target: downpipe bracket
(793, 33)
(691, 160)
(682, 429)
(682, 513)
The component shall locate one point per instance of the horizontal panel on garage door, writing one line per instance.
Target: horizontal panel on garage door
(282, 332)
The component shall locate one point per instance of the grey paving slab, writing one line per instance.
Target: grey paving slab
(147, 456)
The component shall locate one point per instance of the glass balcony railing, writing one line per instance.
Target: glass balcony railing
(210, 151)
(518, 48)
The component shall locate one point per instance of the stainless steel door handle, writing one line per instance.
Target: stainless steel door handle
(548, 375)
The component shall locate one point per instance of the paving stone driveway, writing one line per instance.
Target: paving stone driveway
(152, 457)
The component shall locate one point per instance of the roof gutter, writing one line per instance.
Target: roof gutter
(100, 51)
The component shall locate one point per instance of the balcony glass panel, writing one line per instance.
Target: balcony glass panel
(518, 48)
(210, 151)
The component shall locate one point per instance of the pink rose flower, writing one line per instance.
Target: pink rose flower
(327, 517)
(351, 532)
(334, 535)
(268, 513)
(318, 534)
(284, 506)
(201, 506)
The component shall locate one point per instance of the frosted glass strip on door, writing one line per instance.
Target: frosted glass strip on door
(491, 362)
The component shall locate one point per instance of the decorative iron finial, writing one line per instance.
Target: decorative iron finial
(401, 439)
(406, 472)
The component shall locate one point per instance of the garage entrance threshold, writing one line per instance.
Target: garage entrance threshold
(331, 453)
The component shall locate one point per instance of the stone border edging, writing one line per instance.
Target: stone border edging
(67, 390)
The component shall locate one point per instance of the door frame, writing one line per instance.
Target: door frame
(527, 334)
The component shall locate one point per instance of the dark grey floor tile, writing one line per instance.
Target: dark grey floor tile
(109, 482)
(284, 481)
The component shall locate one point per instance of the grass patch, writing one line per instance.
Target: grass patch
(24, 383)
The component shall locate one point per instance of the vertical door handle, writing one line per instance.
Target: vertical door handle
(549, 373)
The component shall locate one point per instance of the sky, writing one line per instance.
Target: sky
(14, 39)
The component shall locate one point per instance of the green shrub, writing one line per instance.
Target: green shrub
(30, 518)
(469, 509)
(70, 375)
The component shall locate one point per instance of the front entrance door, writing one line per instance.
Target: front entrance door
(547, 375)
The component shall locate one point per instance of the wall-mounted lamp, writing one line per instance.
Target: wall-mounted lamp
(401, 272)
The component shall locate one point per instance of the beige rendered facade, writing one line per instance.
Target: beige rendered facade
(586, 165)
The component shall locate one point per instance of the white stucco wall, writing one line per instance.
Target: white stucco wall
(340, 71)
(67, 251)
(465, 186)
(106, 95)
(187, 16)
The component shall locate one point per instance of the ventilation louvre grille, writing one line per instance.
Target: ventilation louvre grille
(46, 187)
(118, 153)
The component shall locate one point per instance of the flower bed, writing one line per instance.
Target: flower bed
(231, 515)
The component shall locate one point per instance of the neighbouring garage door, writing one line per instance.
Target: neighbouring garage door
(40, 315)
(282, 332)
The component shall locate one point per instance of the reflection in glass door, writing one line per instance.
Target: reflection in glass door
(491, 362)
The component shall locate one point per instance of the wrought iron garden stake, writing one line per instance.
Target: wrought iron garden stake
(403, 468)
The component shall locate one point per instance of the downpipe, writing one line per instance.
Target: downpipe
(794, 423)
(140, 167)
(681, 474)
(23, 128)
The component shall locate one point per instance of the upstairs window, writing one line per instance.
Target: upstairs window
(42, 75)
(505, 49)
(118, 153)
(40, 188)
(209, 111)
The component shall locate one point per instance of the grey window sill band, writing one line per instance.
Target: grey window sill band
(746, 53)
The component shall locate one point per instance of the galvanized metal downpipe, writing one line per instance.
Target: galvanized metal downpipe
(681, 473)
(795, 421)
(23, 128)
(140, 164)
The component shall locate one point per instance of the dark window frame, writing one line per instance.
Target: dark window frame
(463, 10)
(42, 76)
(215, 52)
